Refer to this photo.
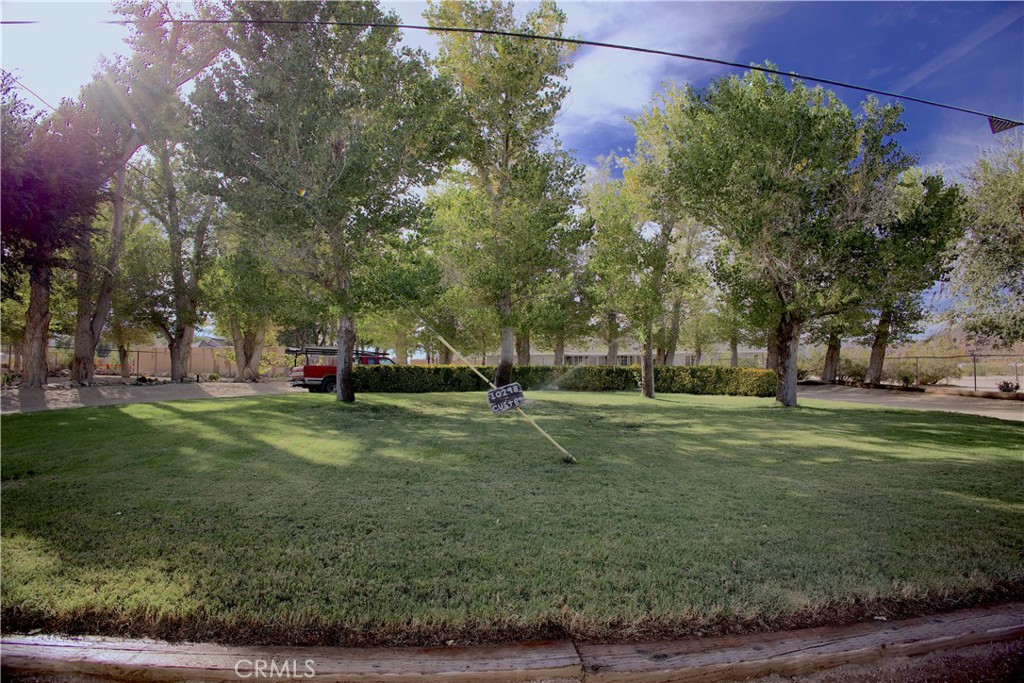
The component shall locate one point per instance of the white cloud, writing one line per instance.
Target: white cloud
(955, 143)
(960, 49)
(607, 84)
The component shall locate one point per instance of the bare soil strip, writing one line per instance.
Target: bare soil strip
(725, 658)
(985, 407)
(35, 400)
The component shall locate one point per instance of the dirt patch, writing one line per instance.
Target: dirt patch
(1003, 410)
(58, 396)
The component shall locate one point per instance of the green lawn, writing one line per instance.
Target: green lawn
(422, 518)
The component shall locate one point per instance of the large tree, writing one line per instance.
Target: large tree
(791, 178)
(245, 295)
(509, 92)
(135, 101)
(646, 247)
(323, 131)
(512, 262)
(55, 174)
(909, 256)
(989, 275)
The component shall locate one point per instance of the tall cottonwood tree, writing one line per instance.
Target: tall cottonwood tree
(170, 191)
(509, 93)
(988, 279)
(55, 173)
(909, 256)
(323, 131)
(791, 178)
(136, 102)
(245, 295)
(658, 267)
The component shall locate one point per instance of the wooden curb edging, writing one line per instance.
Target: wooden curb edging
(726, 658)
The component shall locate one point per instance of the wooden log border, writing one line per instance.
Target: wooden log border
(725, 658)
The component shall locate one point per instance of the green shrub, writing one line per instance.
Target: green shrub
(213, 377)
(851, 370)
(706, 379)
(599, 378)
(713, 379)
(907, 371)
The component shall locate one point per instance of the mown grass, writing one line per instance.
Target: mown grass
(401, 519)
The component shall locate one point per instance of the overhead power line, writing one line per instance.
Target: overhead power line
(996, 123)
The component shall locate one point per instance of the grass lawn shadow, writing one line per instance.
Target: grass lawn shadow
(423, 518)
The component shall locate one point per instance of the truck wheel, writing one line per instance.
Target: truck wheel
(328, 385)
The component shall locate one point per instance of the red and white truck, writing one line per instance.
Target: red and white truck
(320, 369)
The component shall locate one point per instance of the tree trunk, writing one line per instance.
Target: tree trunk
(878, 347)
(697, 355)
(37, 327)
(787, 339)
(180, 346)
(734, 352)
(401, 348)
(613, 339)
(444, 355)
(122, 356)
(647, 365)
(248, 350)
(771, 358)
(92, 315)
(560, 351)
(503, 375)
(831, 369)
(672, 340)
(346, 344)
(85, 344)
(523, 348)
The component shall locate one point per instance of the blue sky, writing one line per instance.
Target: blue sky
(969, 54)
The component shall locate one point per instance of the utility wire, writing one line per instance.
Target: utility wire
(997, 123)
(29, 90)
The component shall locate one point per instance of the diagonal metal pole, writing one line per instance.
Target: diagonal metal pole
(566, 455)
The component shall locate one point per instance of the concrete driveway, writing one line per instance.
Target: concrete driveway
(986, 407)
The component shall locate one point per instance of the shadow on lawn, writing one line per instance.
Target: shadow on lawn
(293, 521)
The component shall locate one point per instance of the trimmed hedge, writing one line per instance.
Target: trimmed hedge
(704, 379)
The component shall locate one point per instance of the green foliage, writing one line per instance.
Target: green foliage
(907, 372)
(712, 379)
(793, 182)
(669, 379)
(213, 377)
(507, 223)
(852, 369)
(600, 378)
(909, 254)
(143, 294)
(989, 274)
